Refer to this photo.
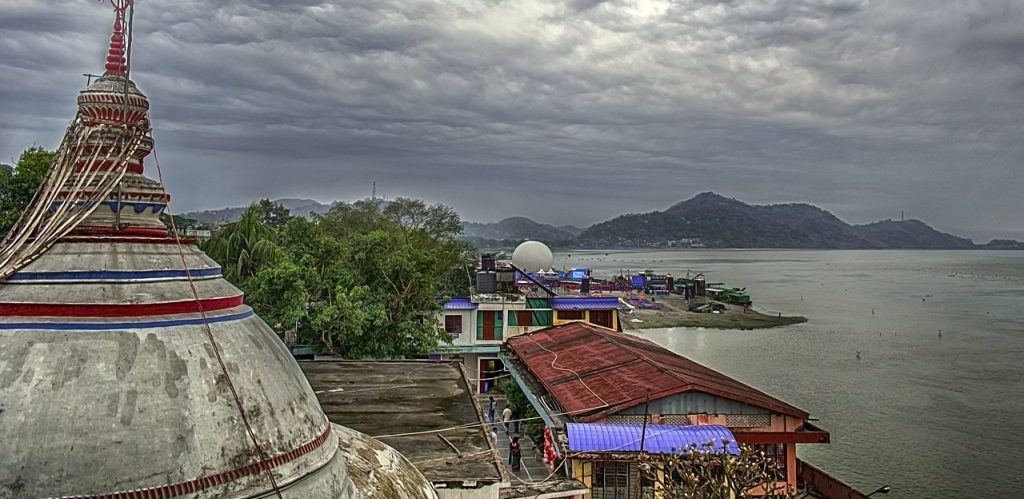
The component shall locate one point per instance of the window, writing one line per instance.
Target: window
(618, 480)
(570, 315)
(453, 325)
(524, 317)
(601, 318)
(777, 452)
(488, 325)
(529, 318)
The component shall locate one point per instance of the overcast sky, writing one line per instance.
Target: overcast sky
(566, 112)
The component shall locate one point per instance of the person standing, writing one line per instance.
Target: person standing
(506, 417)
(492, 406)
(515, 454)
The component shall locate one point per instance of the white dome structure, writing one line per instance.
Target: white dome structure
(533, 256)
(130, 368)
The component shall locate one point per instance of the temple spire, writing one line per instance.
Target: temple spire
(116, 63)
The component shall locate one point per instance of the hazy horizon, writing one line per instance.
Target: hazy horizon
(466, 219)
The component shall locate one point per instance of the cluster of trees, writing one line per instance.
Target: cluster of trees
(19, 182)
(362, 280)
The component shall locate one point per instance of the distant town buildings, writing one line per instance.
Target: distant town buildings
(480, 324)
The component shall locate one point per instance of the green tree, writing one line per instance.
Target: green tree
(274, 214)
(278, 293)
(399, 276)
(19, 183)
(362, 280)
(437, 221)
(244, 247)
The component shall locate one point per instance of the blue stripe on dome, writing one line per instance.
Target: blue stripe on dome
(113, 275)
(106, 326)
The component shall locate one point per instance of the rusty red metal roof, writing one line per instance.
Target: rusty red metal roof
(593, 371)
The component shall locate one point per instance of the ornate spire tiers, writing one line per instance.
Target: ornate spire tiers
(129, 367)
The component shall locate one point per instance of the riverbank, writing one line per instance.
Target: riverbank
(675, 313)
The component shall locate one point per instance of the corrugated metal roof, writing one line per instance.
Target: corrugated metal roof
(460, 304)
(659, 438)
(584, 303)
(592, 371)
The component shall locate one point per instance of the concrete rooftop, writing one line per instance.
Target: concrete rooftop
(393, 397)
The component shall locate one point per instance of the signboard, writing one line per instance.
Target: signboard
(638, 281)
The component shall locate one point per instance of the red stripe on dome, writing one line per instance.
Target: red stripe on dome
(202, 483)
(127, 194)
(113, 231)
(118, 309)
(185, 241)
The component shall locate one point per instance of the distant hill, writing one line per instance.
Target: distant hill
(1003, 244)
(297, 207)
(516, 229)
(571, 229)
(910, 234)
(714, 221)
(707, 220)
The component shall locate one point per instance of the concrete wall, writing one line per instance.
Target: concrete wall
(484, 492)
(696, 403)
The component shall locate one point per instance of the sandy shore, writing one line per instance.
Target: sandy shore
(675, 314)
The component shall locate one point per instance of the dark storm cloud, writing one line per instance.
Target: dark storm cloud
(566, 112)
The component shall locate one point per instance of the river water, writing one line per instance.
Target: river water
(930, 415)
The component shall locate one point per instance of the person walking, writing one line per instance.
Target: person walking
(515, 454)
(506, 418)
(492, 406)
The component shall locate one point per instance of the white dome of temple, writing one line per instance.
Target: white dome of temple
(130, 368)
(533, 256)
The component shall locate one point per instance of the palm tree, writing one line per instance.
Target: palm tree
(245, 246)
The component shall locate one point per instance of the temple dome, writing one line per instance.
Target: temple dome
(130, 368)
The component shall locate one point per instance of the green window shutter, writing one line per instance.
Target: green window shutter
(536, 303)
(479, 325)
(543, 318)
(513, 318)
(499, 330)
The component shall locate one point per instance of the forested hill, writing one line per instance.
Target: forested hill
(714, 221)
(296, 207)
(707, 220)
(517, 229)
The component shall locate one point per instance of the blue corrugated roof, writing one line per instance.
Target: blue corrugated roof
(660, 438)
(584, 303)
(459, 304)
